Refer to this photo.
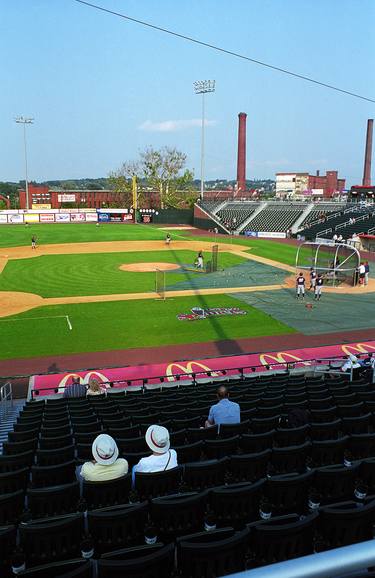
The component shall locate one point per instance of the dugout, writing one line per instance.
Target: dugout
(337, 262)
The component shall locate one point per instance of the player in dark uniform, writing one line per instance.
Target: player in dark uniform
(318, 288)
(312, 278)
(300, 286)
(33, 242)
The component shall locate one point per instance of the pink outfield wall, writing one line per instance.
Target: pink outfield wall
(261, 362)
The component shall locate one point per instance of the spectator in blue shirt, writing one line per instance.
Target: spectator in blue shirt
(224, 411)
(76, 389)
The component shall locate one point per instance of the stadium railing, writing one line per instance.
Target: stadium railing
(336, 562)
(6, 399)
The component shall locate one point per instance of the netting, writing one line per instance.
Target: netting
(337, 263)
(215, 250)
(160, 283)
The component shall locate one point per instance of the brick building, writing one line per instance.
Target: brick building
(291, 185)
(45, 198)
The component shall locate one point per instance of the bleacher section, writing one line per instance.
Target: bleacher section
(234, 214)
(320, 211)
(267, 492)
(276, 217)
(329, 226)
(211, 206)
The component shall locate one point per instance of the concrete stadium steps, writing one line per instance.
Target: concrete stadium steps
(7, 421)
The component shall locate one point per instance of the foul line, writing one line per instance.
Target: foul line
(45, 317)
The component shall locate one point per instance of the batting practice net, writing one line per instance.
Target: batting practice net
(337, 262)
(160, 283)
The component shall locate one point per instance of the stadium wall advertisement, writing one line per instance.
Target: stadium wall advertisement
(266, 234)
(48, 384)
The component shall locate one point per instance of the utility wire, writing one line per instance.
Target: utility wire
(225, 51)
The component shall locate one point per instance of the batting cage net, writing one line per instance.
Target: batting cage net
(160, 283)
(215, 250)
(337, 262)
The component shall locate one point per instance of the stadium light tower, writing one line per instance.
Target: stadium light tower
(202, 87)
(24, 120)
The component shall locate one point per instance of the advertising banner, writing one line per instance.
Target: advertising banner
(42, 207)
(272, 234)
(15, 218)
(3, 219)
(32, 218)
(115, 217)
(103, 217)
(260, 362)
(62, 217)
(251, 233)
(74, 217)
(91, 217)
(127, 217)
(64, 198)
(47, 218)
(146, 218)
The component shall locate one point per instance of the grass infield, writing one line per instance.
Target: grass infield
(127, 324)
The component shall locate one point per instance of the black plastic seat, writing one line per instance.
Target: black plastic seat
(328, 452)
(346, 523)
(55, 443)
(54, 457)
(117, 526)
(133, 444)
(44, 476)
(20, 436)
(153, 485)
(325, 431)
(291, 436)
(155, 561)
(123, 432)
(263, 425)
(48, 540)
(198, 433)
(53, 501)
(76, 568)
(190, 452)
(15, 461)
(281, 538)
(254, 443)
(357, 425)
(202, 475)
(362, 445)
(11, 507)
(179, 514)
(7, 545)
(12, 481)
(202, 555)
(290, 459)
(249, 467)
(368, 474)
(86, 437)
(288, 493)
(108, 493)
(336, 483)
(236, 504)
(54, 432)
(11, 448)
(216, 449)
(227, 430)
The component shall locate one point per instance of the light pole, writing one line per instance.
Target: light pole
(202, 87)
(24, 120)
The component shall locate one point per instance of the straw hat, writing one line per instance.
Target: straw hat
(105, 450)
(157, 439)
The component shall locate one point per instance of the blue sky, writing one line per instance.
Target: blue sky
(101, 88)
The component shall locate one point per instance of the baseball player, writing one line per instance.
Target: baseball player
(312, 278)
(300, 286)
(318, 287)
(168, 239)
(33, 242)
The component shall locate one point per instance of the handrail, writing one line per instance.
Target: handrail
(6, 399)
(321, 565)
(323, 232)
(281, 366)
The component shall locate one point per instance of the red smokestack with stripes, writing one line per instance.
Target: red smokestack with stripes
(366, 181)
(241, 153)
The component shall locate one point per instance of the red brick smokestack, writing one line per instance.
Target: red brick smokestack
(241, 152)
(366, 181)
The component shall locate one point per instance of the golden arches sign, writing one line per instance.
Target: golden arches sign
(84, 380)
(187, 369)
(279, 358)
(357, 348)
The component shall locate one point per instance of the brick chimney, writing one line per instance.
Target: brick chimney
(241, 152)
(366, 181)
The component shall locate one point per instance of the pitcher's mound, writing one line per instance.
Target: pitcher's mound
(147, 267)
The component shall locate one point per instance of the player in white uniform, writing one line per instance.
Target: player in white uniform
(300, 286)
(312, 278)
(318, 287)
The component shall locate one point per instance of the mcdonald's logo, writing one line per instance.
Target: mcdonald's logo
(177, 368)
(85, 380)
(279, 358)
(358, 348)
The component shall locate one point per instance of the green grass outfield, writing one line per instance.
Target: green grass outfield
(127, 324)
(97, 273)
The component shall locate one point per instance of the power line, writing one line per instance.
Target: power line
(225, 51)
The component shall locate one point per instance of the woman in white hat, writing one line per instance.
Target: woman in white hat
(106, 464)
(162, 458)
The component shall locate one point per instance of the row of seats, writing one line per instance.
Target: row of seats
(275, 219)
(236, 213)
(333, 222)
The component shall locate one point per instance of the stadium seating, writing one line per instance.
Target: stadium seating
(234, 214)
(275, 217)
(315, 483)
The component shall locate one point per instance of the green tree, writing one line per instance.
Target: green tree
(121, 182)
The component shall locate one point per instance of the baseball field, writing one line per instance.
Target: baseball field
(93, 289)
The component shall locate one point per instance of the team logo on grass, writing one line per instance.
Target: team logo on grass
(201, 313)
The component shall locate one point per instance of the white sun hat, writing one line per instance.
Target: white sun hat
(157, 439)
(104, 450)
